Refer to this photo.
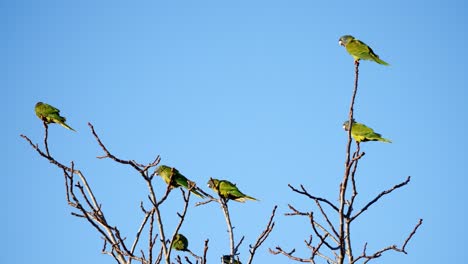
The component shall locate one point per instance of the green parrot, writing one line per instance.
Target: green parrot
(362, 133)
(180, 243)
(226, 259)
(228, 190)
(359, 50)
(177, 178)
(50, 114)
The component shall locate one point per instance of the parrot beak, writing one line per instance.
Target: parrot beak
(341, 43)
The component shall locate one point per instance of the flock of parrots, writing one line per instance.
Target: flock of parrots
(226, 189)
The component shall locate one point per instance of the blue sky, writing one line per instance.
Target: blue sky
(250, 91)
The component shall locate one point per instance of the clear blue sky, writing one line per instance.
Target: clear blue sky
(250, 91)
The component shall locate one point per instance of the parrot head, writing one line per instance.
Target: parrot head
(344, 40)
(39, 104)
(346, 124)
(213, 183)
(161, 168)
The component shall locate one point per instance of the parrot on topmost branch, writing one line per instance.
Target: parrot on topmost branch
(359, 50)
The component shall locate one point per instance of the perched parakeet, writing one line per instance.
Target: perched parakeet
(180, 243)
(226, 259)
(177, 179)
(50, 114)
(359, 50)
(228, 190)
(362, 133)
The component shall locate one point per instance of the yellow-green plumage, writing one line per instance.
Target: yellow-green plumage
(228, 190)
(180, 243)
(50, 114)
(359, 50)
(175, 179)
(363, 133)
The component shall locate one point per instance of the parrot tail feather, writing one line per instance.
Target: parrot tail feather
(379, 61)
(385, 140)
(67, 127)
(198, 194)
(244, 199)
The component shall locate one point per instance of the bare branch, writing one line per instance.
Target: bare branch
(304, 192)
(109, 155)
(46, 156)
(295, 212)
(322, 238)
(379, 253)
(279, 250)
(348, 164)
(188, 260)
(182, 218)
(46, 135)
(198, 258)
(328, 221)
(205, 250)
(95, 216)
(263, 236)
(403, 248)
(380, 196)
(236, 248)
(145, 220)
(207, 201)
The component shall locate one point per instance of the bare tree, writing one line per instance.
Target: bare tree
(330, 239)
(335, 237)
(80, 196)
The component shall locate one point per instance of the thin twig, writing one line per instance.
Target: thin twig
(379, 253)
(181, 221)
(322, 238)
(109, 155)
(304, 192)
(328, 221)
(142, 225)
(46, 135)
(380, 196)
(205, 251)
(344, 183)
(263, 236)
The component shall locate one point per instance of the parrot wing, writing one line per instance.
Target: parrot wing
(230, 191)
(376, 137)
(359, 50)
(175, 179)
(181, 180)
(50, 114)
(361, 132)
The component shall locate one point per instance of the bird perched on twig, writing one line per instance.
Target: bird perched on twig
(359, 50)
(363, 133)
(228, 190)
(50, 114)
(175, 179)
